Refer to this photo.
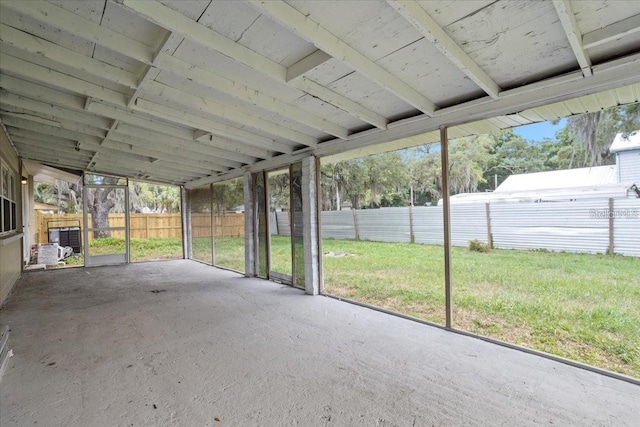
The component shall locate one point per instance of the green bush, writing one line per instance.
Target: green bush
(476, 245)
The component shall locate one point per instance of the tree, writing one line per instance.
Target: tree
(596, 130)
(426, 174)
(279, 194)
(228, 195)
(563, 153)
(62, 194)
(373, 181)
(469, 158)
(510, 154)
(346, 182)
(100, 201)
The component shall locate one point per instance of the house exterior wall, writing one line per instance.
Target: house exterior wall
(629, 166)
(10, 244)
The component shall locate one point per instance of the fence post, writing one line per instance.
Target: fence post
(412, 238)
(611, 219)
(489, 233)
(355, 224)
(146, 226)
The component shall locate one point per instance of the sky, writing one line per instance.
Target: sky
(539, 131)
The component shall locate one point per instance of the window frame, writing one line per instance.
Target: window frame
(8, 200)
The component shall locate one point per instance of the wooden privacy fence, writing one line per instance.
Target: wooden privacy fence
(142, 226)
(149, 226)
(226, 225)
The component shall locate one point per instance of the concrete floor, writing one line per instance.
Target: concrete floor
(96, 347)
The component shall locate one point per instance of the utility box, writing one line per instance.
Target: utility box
(66, 236)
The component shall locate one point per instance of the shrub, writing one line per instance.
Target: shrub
(476, 245)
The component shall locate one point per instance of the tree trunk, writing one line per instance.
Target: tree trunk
(99, 205)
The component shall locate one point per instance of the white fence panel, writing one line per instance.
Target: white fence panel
(468, 222)
(626, 226)
(383, 225)
(282, 220)
(581, 226)
(565, 226)
(273, 223)
(338, 224)
(297, 223)
(427, 225)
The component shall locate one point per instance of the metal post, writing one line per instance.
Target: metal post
(213, 226)
(611, 237)
(185, 221)
(318, 224)
(292, 228)
(355, 223)
(412, 237)
(249, 220)
(127, 224)
(446, 219)
(489, 232)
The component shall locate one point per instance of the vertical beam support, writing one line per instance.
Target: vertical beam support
(489, 232)
(319, 213)
(213, 226)
(355, 223)
(249, 226)
(310, 231)
(446, 221)
(28, 214)
(612, 247)
(185, 209)
(127, 224)
(412, 237)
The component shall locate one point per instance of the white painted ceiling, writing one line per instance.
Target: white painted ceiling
(191, 92)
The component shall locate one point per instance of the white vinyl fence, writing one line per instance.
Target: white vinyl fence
(585, 226)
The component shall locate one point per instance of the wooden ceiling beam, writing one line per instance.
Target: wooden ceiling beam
(250, 95)
(210, 39)
(571, 29)
(333, 45)
(209, 107)
(611, 32)
(428, 27)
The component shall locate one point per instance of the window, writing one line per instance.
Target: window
(8, 198)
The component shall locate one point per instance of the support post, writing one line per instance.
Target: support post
(611, 224)
(249, 222)
(412, 237)
(355, 223)
(310, 233)
(213, 226)
(319, 213)
(446, 221)
(186, 224)
(489, 232)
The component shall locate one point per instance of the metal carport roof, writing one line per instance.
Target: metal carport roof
(194, 92)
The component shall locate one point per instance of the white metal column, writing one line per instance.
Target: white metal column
(310, 233)
(249, 226)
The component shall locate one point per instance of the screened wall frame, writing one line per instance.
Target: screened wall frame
(263, 233)
(201, 227)
(119, 186)
(214, 204)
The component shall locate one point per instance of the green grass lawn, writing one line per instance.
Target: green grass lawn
(230, 253)
(583, 307)
(141, 249)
